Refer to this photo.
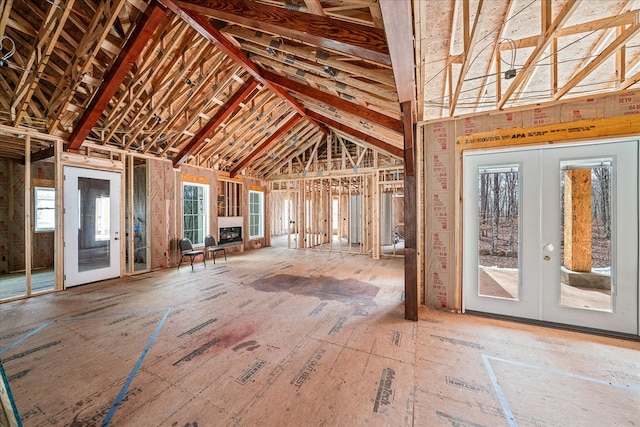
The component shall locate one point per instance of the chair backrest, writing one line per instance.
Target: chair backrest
(209, 241)
(185, 245)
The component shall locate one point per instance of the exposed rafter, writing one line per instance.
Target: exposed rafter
(335, 101)
(4, 16)
(382, 145)
(524, 74)
(469, 44)
(382, 75)
(351, 39)
(82, 61)
(223, 112)
(145, 28)
(202, 26)
(266, 143)
(46, 42)
(603, 56)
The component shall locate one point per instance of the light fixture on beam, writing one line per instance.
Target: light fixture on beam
(509, 74)
(329, 70)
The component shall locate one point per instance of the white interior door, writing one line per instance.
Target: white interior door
(92, 247)
(552, 234)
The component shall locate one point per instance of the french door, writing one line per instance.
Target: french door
(92, 247)
(552, 234)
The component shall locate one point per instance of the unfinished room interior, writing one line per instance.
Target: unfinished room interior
(319, 213)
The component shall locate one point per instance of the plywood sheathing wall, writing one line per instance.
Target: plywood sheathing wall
(162, 206)
(443, 233)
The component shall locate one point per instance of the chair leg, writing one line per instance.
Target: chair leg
(224, 251)
(180, 262)
(204, 260)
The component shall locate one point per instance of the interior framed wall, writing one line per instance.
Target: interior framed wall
(30, 252)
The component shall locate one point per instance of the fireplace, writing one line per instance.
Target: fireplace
(230, 235)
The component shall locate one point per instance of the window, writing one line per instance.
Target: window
(195, 211)
(45, 207)
(103, 218)
(256, 202)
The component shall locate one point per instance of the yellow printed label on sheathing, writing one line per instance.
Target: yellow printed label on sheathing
(559, 132)
(256, 188)
(195, 178)
(226, 176)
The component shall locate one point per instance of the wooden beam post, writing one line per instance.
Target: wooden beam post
(410, 219)
(27, 213)
(577, 220)
(145, 27)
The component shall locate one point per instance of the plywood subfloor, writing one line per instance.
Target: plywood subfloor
(278, 337)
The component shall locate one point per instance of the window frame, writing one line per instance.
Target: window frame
(259, 214)
(36, 208)
(204, 214)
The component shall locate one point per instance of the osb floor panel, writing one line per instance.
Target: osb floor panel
(279, 337)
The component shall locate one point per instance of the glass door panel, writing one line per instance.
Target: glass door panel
(137, 246)
(586, 255)
(94, 226)
(498, 240)
(495, 213)
(589, 238)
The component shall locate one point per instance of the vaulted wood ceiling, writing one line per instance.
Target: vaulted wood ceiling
(249, 85)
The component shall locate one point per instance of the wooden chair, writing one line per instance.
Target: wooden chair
(186, 249)
(210, 246)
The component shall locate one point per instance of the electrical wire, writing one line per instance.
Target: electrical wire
(529, 95)
(512, 65)
(580, 38)
(486, 35)
(9, 54)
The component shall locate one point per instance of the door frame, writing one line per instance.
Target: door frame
(465, 228)
(117, 245)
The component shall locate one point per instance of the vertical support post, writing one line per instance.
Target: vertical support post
(410, 221)
(301, 214)
(28, 247)
(577, 220)
(375, 223)
(129, 201)
(58, 235)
